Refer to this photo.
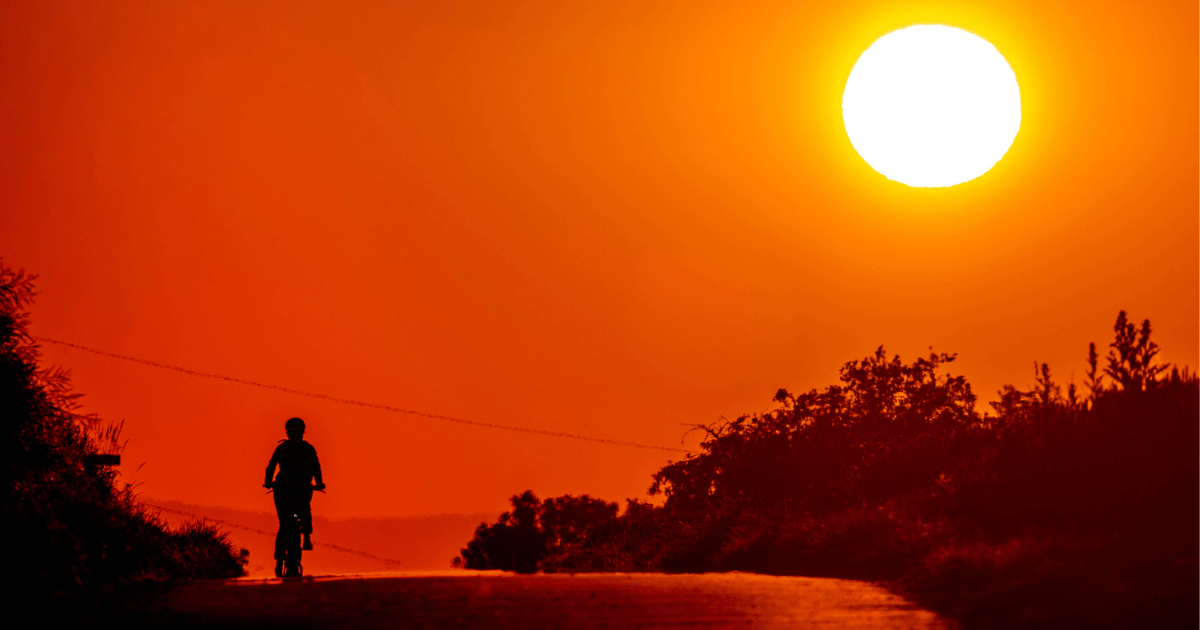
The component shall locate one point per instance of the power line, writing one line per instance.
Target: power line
(388, 561)
(347, 401)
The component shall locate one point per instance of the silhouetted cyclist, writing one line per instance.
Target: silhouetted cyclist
(298, 468)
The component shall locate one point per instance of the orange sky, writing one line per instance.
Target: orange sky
(603, 218)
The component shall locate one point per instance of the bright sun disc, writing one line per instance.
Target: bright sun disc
(931, 106)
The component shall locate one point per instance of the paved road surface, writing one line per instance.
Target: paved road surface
(573, 602)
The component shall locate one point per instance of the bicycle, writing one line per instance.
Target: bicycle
(289, 541)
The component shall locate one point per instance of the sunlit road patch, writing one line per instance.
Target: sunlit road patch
(577, 602)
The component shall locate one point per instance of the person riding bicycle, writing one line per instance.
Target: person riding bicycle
(293, 487)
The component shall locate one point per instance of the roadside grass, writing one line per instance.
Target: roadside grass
(1054, 581)
(74, 543)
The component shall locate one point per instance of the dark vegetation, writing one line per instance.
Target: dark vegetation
(1054, 509)
(71, 542)
(535, 529)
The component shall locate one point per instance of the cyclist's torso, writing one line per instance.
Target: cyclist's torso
(298, 463)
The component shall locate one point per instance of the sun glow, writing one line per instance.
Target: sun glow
(931, 106)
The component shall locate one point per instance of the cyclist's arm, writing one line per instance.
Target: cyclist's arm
(317, 470)
(271, 470)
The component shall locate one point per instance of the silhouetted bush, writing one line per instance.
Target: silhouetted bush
(1058, 509)
(644, 538)
(887, 430)
(520, 539)
(71, 538)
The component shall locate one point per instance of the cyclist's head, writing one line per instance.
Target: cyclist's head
(294, 427)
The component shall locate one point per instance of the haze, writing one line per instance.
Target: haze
(614, 220)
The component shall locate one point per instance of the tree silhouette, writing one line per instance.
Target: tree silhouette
(1094, 377)
(886, 428)
(570, 520)
(519, 539)
(1132, 354)
(1047, 512)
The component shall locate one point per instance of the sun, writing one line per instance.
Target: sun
(931, 106)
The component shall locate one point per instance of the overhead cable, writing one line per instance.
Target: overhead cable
(359, 403)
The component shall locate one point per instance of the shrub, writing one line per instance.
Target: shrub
(887, 430)
(1056, 510)
(71, 538)
(520, 539)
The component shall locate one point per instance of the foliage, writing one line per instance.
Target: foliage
(886, 430)
(1131, 358)
(71, 536)
(520, 539)
(1059, 508)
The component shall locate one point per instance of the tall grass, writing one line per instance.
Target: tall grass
(70, 540)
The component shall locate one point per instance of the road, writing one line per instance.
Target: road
(575, 602)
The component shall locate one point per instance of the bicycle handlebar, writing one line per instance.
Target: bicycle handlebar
(314, 487)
